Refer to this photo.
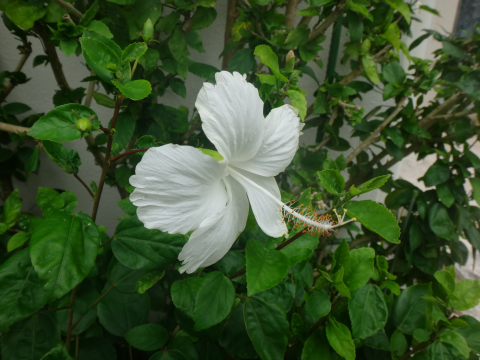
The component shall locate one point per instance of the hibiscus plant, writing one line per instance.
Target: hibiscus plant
(240, 239)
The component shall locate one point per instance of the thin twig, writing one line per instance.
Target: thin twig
(84, 185)
(322, 28)
(326, 136)
(25, 50)
(106, 242)
(232, 15)
(70, 318)
(115, 158)
(69, 7)
(98, 195)
(14, 129)
(57, 309)
(94, 303)
(368, 141)
(77, 343)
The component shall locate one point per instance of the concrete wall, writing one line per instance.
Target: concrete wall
(39, 91)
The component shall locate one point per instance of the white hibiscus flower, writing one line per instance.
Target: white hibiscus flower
(179, 189)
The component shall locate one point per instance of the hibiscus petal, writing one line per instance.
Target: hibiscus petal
(267, 211)
(177, 187)
(232, 116)
(216, 234)
(279, 144)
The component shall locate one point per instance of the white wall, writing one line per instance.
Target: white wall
(39, 91)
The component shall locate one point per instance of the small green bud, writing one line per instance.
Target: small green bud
(290, 61)
(366, 45)
(148, 30)
(83, 125)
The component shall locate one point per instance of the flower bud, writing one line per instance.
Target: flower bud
(148, 30)
(83, 125)
(290, 61)
(366, 45)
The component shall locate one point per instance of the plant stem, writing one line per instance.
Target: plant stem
(115, 158)
(77, 343)
(279, 247)
(94, 303)
(70, 318)
(320, 30)
(91, 87)
(416, 349)
(363, 240)
(69, 7)
(106, 165)
(130, 351)
(25, 50)
(326, 136)
(290, 12)
(106, 242)
(84, 185)
(14, 129)
(368, 141)
(58, 309)
(232, 15)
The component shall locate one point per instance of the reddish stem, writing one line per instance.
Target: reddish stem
(115, 158)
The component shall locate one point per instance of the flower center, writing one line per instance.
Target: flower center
(301, 216)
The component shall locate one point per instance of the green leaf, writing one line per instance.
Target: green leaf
(123, 132)
(49, 201)
(445, 194)
(63, 249)
(104, 100)
(361, 8)
(471, 332)
(447, 280)
(204, 17)
(476, 189)
(398, 343)
(120, 313)
(147, 280)
(205, 71)
(243, 61)
(301, 249)
(24, 14)
(139, 248)
(124, 278)
(149, 61)
(453, 50)
(410, 308)
(369, 185)
(89, 15)
(468, 294)
(235, 337)
(31, 338)
(394, 74)
(101, 28)
(368, 311)
(440, 221)
(355, 26)
(339, 284)
(265, 268)
(360, 268)
(297, 37)
(332, 181)
(184, 294)
(320, 105)
(269, 58)
(59, 124)
(340, 339)
(32, 163)
(436, 174)
(11, 210)
(317, 347)
(469, 84)
(267, 327)
(215, 299)
(177, 45)
(101, 50)
(21, 291)
(135, 90)
(379, 341)
(68, 46)
(134, 51)
(178, 87)
(370, 67)
(282, 295)
(341, 256)
(68, 159)
(457, 341)
(147, 337)
(59, 352)
(86, 295)
(376, 218)
(194, 41)
(392, 34)
(298, 101)
(318, 304)
(401, 7)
